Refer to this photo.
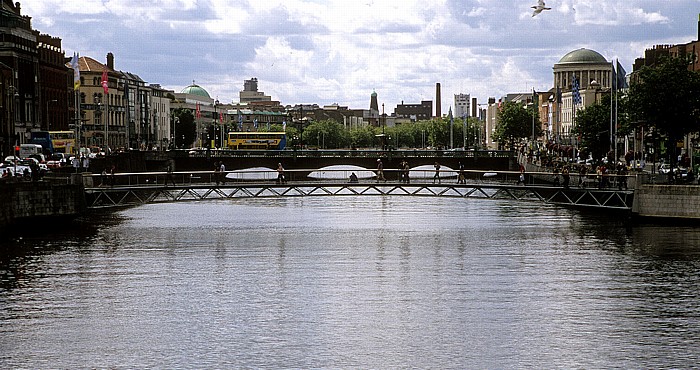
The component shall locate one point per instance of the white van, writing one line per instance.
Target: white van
(25, 150)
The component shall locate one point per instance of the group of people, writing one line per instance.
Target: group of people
(602, 176)
(107, 178)
(220, 172)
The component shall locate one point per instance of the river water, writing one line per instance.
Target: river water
(352, 282)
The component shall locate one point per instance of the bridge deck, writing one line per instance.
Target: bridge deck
(121, 196)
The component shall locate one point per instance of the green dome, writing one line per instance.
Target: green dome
(196, 90)
(583, 56)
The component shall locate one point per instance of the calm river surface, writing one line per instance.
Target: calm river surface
(353, 282)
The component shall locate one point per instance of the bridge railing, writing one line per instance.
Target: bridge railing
(448, 176)
(345, 153)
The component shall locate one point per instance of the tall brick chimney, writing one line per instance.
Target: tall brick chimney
(110, 61)
(438, 101)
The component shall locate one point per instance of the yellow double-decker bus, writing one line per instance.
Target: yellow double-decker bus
(257, 140)
(63, 141)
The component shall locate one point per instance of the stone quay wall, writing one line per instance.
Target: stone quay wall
(23, 203)
(667, 201)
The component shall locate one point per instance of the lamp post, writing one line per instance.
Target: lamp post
(48, 126)
(175, 122)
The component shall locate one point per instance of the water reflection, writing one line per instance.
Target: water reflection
(359, 282)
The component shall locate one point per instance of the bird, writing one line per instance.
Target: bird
(539, 7)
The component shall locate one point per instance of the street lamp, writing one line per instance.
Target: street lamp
(48, 126)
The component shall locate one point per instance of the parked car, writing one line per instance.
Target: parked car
(665, 168)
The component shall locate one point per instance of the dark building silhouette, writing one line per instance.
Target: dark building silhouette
(19, 68)
(55, 84)
(414, 112)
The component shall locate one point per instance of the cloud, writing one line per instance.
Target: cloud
(325, 51)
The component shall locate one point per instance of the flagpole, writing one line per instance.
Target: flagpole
(613, 90)
(106, 123)
(77, 119)
(614, 137)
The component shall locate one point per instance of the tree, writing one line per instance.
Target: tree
(185, 128)
(326, 134)
(362, 137)
(515, 123)
(666, 97)
(592, 127)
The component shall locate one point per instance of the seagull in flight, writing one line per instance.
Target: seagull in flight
(539, 7)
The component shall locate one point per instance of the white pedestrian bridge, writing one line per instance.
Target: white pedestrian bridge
(133, 189)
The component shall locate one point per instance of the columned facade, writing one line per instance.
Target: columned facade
(594, 74)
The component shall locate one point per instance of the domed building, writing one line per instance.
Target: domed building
(196, 93)
(587, 65)
(594, 75)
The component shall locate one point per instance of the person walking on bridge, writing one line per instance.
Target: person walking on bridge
(437, 172)
(280, 174)
(380, 171)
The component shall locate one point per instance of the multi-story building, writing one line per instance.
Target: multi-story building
(197, 100)
(160, 111)
(414, 112)
(592, 72)
(102, 114)
(55, 82)
(690, 49)
(462, 105)
(250, 92)
(19, 67)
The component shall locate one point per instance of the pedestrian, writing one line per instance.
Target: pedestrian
(222, 172)
(521, 178)
(76, 164)
(437, 172)
(380, 171)
(280, 174)
(406, 171)
(85, 163)
(169, 176)
(353, 178)
(111, 175)
(460, 175)
(103, 177)
(565, 175)
(217, 168)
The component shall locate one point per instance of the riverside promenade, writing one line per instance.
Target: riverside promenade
(652, 199)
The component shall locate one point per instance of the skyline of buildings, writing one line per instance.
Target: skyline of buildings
(36, 86)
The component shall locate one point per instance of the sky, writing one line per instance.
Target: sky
(340, 51)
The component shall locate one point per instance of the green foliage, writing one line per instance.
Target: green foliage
(363, 137)
(666, 98)
(326, 134)
(592, 128)
(516, 123)
(185, 128)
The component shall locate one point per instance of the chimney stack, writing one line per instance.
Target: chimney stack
(438, 101)
(110, 61)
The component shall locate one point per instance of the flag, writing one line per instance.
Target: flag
(221, 117)
(240, 121)
(284, 126)
(558, 95)
(255, 123)
(535, 99)
(621, 77)
(105, 81)
(575, 94)
(76, 71)
(198, 113)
